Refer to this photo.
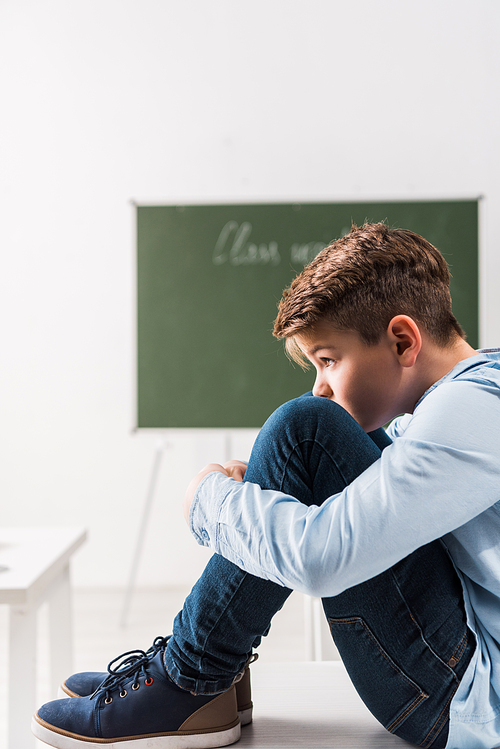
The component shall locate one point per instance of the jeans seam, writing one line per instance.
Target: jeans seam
(420, 696)
(459, 650)
(410, 708)
(397, 669)
(422, 637)
(433, 733)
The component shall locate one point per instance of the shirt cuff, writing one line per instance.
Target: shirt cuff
(206, 506)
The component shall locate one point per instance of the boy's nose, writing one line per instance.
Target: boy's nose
(322, 388)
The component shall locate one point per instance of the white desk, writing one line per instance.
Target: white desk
(312, 706)
(38, 571)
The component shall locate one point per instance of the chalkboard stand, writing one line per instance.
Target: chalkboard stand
(223, 449)
(161, 446)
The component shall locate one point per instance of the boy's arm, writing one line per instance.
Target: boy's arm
(440, 474)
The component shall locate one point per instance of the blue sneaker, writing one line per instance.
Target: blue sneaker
(138, 706)
(83, 684)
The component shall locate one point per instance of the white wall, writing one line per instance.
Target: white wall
(105, 101)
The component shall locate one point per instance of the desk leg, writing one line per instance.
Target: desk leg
(22, 676)
(60, 629)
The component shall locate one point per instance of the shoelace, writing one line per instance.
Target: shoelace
(132, 663)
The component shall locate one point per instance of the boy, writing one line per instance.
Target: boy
(397, 532)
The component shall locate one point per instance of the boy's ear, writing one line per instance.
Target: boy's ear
(406, 339)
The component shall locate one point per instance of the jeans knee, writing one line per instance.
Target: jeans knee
(310, 448)
(305, 415)
(312, 406)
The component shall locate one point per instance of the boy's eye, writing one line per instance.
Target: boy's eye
(328, 362)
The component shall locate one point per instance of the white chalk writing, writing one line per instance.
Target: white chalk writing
(233, 247)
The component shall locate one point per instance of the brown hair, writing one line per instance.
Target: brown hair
(361, 281)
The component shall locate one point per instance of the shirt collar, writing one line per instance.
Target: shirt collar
(470, 363)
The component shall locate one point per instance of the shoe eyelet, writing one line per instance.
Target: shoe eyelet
(108, 700)
(148, 681)
(123, 693)
(135, 687)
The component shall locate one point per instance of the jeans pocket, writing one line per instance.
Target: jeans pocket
(388, 693)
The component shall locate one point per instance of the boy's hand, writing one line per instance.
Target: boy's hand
(233, 468)
(236, 469)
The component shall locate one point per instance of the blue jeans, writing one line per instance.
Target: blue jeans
(402, 635)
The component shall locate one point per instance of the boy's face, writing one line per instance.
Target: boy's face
(365, 380)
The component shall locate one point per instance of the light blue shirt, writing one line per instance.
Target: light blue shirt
(439, 479)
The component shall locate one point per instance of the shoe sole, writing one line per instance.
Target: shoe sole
(210, 740)
(245, 716)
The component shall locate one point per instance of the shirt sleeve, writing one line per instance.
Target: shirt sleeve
(440, 473)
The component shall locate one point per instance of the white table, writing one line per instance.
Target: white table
(311, 705)
(37, 562)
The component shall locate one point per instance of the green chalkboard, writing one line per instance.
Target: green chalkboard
(210, 278)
